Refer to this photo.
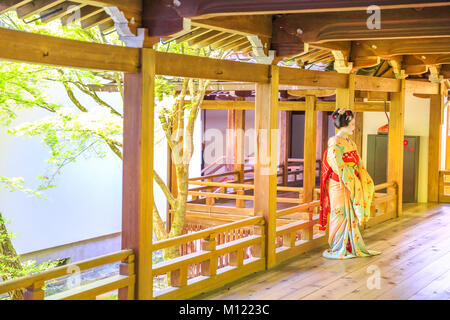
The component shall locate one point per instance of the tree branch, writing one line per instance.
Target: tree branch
(164, 188)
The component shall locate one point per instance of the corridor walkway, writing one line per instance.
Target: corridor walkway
(414, 264)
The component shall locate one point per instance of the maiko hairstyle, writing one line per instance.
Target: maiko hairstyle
(342, 117)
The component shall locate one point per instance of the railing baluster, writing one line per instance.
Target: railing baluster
(209, 267)
(178, 278)
(35, 291)
(237, 258)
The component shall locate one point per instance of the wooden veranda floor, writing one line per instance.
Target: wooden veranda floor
(414, 264)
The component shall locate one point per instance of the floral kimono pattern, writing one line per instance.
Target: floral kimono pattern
(349, 200)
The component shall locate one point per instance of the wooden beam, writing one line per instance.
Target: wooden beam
(293, 105)
(34, 48)
(198, 8)
(36, 6)
(259, 25)
(137, 204)
(367, 83)
(85, 13)
(266, 124)
(312, 78)
(95, 20)
(352, 25)
(421, 87)
(434, 146)
(172, 64)
(132, 6)
(65, 8)
(7, 5)
(395, 143)
(394, 47)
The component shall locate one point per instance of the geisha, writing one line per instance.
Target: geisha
(346, 192)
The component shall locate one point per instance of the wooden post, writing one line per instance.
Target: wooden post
(266, 140)
(137, 187)
(35, 291)
(345, 97)
(434, 146)
(230, 140)
(358, 134)
(239, 126)
(309, 156)
(447, 143)
(285, 145)
(209, 267)
(322, 134)
(395, 144)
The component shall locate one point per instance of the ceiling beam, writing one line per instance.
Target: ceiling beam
(65, 8)
(7, 5)
(259, 25)
(201, 8)
(95, 20)
(35, 7)
(131, 6)
(35, 48)
(84, 13)
(388, 48)
(345, 26)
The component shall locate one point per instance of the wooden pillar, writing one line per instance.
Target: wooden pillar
(345, 97)
(395, 143)
(239, 159)
(447, 143)
(285, 145)
(358, 134)
(309, 156)
(266, 140)
(172, 183)
(239, 143)
(434, 146)
(322, 134)
(230, 140)
(137, 200)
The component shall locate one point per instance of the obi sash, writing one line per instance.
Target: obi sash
(326, 173)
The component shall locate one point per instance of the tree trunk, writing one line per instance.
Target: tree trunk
(9, 260)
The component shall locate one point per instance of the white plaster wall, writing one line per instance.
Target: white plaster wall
(417, 112)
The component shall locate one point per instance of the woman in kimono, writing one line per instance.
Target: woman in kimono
(346, 192)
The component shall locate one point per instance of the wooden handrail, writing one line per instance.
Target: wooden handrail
(27, 281)
(223, 184)
(214, 175)
(300, 208)
(166, 243)
(385, 185)
(220, 195)
(213, 163)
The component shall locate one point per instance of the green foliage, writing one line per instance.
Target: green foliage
(10, 264)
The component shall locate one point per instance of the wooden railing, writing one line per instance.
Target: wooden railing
(237, 193)
(34, 285)
(301, 234)
(384, 205)
(209, 258)
(211, 276)
(444, 186)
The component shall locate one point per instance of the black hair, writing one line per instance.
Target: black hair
(342, 119)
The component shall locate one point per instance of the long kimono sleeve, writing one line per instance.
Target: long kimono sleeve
(360, 188)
